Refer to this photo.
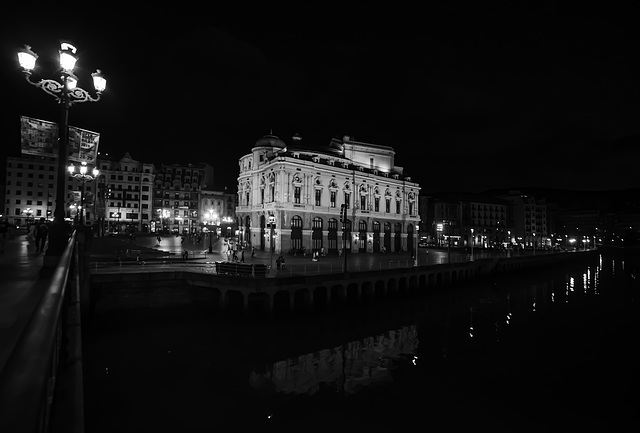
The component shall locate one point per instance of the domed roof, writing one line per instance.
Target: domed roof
(270, 140)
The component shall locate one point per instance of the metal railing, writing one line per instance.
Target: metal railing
(39, 364)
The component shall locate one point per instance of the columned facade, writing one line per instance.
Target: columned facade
(303, 189)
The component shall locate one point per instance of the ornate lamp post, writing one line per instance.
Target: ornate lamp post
(272, 225)
(534, 243)
(210, 233)
(166, 213)
(83, 176)
(64, 90)
(473, 241)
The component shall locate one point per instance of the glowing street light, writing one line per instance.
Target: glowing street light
(272, 225)
(83, 176)
(473, 241)
(534, 243)
(210, 234)
(164, 215)
(65, 91)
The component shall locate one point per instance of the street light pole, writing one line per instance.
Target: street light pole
(343, 219)
(210, 234)
(83, 176)
(272, 223)
(473, 241)
(534, 243)
(415, 261)
(64, 90)
(449, 248)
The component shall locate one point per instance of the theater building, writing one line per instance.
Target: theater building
(303, 188)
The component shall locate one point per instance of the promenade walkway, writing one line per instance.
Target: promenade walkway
(118, 254)
(20, 290)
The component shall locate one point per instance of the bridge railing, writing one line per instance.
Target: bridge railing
(38, 368)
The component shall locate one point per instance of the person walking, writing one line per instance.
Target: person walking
(42, 232)
(242, 257)
(253, 252)
(31, 236)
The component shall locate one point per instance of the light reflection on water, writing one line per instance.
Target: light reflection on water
(348, 367)
(541, 351)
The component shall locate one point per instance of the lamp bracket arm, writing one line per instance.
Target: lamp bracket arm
(52, 87)
(80, 95)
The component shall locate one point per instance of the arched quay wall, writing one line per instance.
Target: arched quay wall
(276, 297)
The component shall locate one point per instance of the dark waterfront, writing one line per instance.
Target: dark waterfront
(552, 349)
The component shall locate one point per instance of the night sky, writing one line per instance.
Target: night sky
(472, 96)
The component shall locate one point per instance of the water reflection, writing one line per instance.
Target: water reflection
(532, 351)
(347, 368)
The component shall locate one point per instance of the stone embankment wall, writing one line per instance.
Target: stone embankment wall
(272, 297)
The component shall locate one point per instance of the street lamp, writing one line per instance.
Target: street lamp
(210, 234)
(272, 225)
(83, 176)
(165, 215)
(64, 90)
(473, 241)
(343, 220)
(534, 243)
(449, 243)
(227, 220)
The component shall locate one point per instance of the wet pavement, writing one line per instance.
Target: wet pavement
(19, 289)
(109, 254)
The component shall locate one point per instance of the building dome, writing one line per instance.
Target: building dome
(270, 140)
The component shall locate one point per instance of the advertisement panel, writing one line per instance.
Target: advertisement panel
(83, 145)
(39, 137)
(76, 197)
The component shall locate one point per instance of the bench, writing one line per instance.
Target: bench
(120, 253)
(241, 269)
(195, 254)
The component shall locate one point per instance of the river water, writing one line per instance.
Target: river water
(553, 349)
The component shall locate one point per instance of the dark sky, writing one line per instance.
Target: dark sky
(472, 96)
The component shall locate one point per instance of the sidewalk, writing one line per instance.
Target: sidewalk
(108, 252)
(19, 290)
(121, 248)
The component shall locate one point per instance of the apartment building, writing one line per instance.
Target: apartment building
(176, 197)
(124, 198)
(30, 189)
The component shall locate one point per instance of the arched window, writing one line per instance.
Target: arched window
(296, 232)
(376, 236)
(363, 197)
(398, 237)
(332, 236)
(316, 235)
(410, 240)
(387, 236)
(362, 236)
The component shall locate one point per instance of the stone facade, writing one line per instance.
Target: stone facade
(303, 189)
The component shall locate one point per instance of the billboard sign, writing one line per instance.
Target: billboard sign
(39, 137)
(83, 145)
